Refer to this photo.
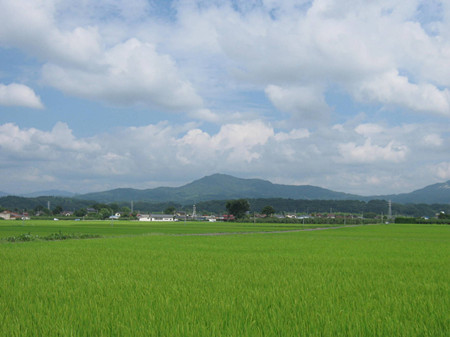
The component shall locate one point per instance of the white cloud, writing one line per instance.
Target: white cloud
(369, 153)
(234, 142)
(117, 51)
(235, 63)
(361, 48)
(293, 134)
(32, 144)
(303, 102)
(433, 140)
(15, 94)
(369, 129)
(442, 170)
(131, 73)
(128, 157)
(392, 89)
(32, 26)
(79, 62)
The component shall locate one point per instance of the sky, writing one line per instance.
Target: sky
(353, 96)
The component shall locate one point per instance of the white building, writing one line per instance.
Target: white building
(156, 217)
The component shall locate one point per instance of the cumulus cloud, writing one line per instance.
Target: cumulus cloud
(369, 129)
(32, 26)
(368, 152)
(293, 134)
(433, 140)
(80, 61)
(131, 73)
(138, 156)
(392, 89)
(442, 170)
(33, 144)
(15, 94)
(377, 52)
(238, 64)
(234, 142)
(303, 102)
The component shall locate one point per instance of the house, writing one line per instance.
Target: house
(115, 216)
(7, 215)
(226, 217)
(156, 217)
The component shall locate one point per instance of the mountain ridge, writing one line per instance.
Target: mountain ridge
(222, 187)
(47, 193)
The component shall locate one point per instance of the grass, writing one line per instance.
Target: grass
(51, 237)
(384, 280)
(118, 228)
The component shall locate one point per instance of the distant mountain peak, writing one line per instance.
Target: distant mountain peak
(49, 193)
(219, 186)
(445, 185)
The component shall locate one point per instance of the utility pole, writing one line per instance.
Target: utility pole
(389, 210)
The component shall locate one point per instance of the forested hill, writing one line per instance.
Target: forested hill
(219, 187)
(15, 203)
(225, 187)
(432, 194)
(222, 187)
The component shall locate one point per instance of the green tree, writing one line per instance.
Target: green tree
(57, 210)
(114, 207)
(442, 215)
(237, 207)
(46, 211)
(99, 206)
(38, 208)
(170, 210)
(80, 212)
(268, 210)
(125, 211)
(370, 215)
(104, 213)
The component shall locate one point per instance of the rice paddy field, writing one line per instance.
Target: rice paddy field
(160, 280)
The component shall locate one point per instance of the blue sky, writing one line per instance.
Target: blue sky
(347, 95)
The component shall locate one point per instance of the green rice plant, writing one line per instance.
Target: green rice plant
(121, 228)
(384, 280)
(52, 237)
(21, 238)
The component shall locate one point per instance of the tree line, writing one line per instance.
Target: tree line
(278, 205)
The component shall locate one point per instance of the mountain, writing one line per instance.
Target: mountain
(3, 194)
(53, 193)
(432, 194)
(223, 187)
(15, 202)
(218, 187)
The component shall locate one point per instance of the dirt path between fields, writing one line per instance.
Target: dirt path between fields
(268, 232)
